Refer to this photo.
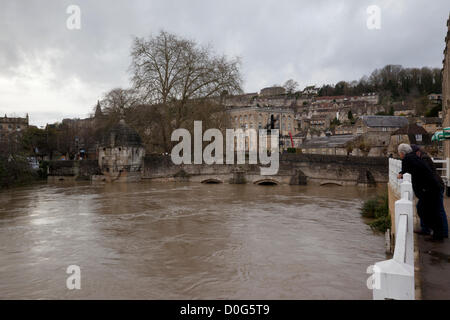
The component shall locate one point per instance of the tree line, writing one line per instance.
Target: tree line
(392, 81)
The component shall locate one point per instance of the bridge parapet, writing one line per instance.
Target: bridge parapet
(294, 169)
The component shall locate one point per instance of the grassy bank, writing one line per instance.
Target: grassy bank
(376, 210)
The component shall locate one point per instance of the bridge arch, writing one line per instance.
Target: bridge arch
(267, 182)
(212, 181)
(331, 183)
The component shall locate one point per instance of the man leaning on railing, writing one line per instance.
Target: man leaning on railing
(422, 154)
(426, 188)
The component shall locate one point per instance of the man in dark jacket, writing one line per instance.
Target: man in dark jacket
(426, 188)
(422, 154)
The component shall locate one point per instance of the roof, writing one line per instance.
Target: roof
(400, 107)
(329, 141)
(385, 121)
(122, 135)
(411, 129)
(432, 120)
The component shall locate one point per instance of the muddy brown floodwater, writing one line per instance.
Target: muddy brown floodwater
(153, 240)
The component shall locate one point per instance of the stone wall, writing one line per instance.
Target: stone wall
(121, 164)
(72, 170)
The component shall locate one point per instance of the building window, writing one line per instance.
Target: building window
(418, 137)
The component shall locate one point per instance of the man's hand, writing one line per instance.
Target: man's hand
(400, 176)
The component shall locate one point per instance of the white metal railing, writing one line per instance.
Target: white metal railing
(395, 166)
(445, 172)
(394, 278)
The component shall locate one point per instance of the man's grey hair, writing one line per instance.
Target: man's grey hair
(404, 148)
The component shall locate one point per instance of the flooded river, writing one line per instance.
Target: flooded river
(186, 241)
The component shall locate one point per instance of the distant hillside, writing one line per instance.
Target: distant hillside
(393, 82)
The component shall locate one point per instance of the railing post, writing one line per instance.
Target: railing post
(405, 206)
(447, 170)
(406, 187)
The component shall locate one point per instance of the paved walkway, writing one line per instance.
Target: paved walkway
(435, 266)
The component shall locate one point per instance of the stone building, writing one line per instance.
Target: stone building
(446, 88)
(343, 129)
(431, 125)
(121, 154)
(330, 145)
(375, 133)
(83, 132)
(410, 134)
(86, 123)
(378, 129)
(12, 126)
(8, 124)
(404, 110)
(260, 118)
(273, 91)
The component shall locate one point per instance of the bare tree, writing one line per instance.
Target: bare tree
(290, 86)
(118, 100)
(171, 72)
(166, 68)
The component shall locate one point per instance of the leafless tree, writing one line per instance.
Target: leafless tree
(166, 68)
(118, 100)
(173, 73)
(290, 86)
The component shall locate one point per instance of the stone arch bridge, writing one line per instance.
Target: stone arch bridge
(295, 169)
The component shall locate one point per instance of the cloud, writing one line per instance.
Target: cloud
(52, 72)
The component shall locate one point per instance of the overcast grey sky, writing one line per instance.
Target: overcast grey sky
(52, 72)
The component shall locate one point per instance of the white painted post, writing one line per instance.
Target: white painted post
(394, 278)
(395, 281)
(405, 207)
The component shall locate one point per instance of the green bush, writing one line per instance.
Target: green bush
(291, 150)
(377, 209)
(369, 207)
(15, 171)
(381, 224)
